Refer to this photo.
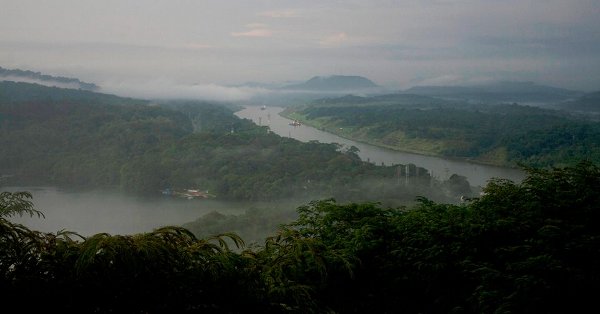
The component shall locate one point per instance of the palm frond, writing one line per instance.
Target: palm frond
(17, 203)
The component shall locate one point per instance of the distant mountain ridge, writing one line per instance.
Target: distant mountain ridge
(410, 100)
(43, 79)
(504, 91)
(334, 83)
(589, 102)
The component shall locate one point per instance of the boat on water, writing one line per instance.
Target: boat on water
(263, 107)
(295, 123)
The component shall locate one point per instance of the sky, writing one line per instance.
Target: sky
(209, 47)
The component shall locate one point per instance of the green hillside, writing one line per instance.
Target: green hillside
(82, 139)
(505, 134)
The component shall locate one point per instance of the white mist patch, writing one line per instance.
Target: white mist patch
(168, 89)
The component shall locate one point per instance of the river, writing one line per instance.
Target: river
(440, 168)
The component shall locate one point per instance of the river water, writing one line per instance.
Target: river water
(440, 168)
(113, 212)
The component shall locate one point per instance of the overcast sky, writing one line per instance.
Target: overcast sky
(397, 44)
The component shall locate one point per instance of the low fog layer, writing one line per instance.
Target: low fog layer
(168, 89)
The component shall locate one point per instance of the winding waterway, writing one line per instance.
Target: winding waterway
(441, 168)
(115, 212)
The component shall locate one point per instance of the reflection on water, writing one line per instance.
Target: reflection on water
(440, 168)
(114, 212)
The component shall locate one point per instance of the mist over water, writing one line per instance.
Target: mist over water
(113, 212)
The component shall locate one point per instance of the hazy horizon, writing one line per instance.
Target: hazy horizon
(207, 48)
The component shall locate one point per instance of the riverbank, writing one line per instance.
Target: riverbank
(494, 158)
(438, 167)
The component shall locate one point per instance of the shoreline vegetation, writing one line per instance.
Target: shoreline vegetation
(295, 116)
(502, 135)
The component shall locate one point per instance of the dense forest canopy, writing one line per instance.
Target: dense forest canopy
(78, 138)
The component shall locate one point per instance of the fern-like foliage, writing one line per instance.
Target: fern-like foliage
(17, 203)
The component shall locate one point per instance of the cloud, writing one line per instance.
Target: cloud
(260, 32)
(279, 13)
(256, 25)
(453, 80)
(334, 40)
(168, 89)
(391, 41)
(447, 79)
(256, 30)
(196, 46)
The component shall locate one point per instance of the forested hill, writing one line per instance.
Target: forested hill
(21, 92)
(498, 92)
(44, 79)
(504, 134)
(334, 83)
(413, 100)
(589, 103)
(82, 139)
